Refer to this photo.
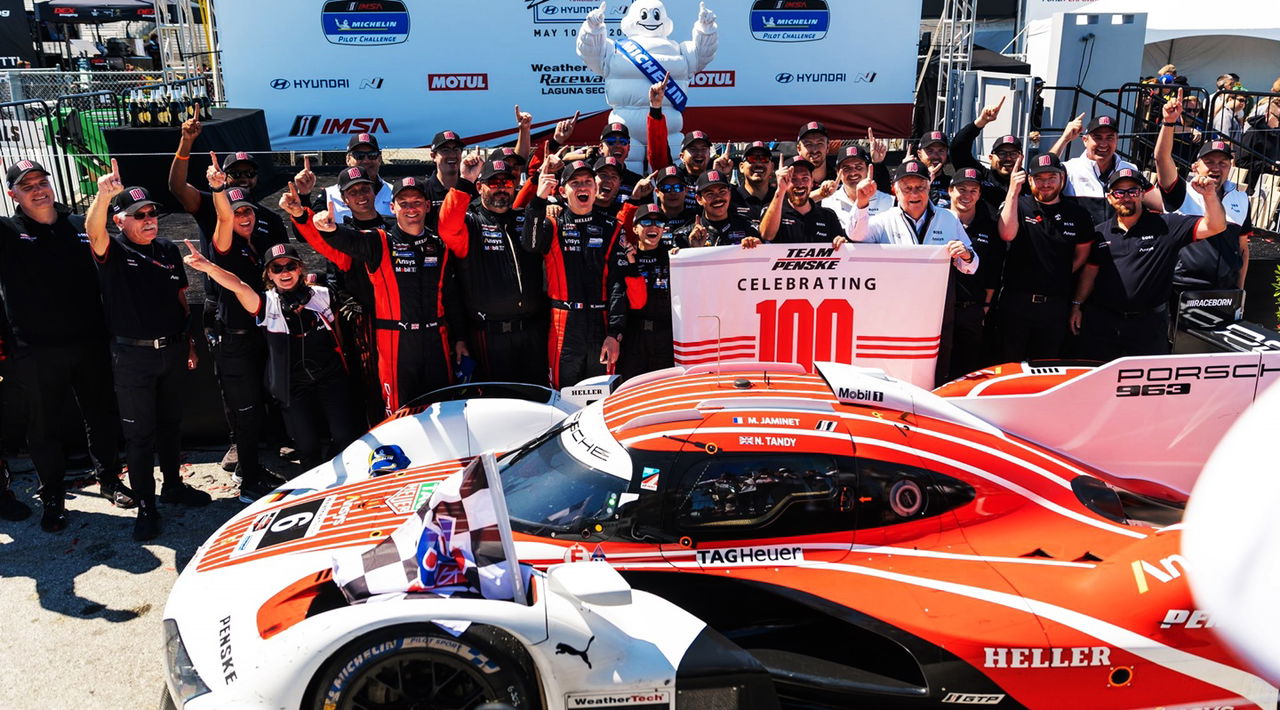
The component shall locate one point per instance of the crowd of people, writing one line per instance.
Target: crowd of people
(547, 264)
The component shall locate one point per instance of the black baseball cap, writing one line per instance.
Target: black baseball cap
(911, 168)
(410, 183)
(241, 157)
(647, 209)
(670, 171)
(281, 251)
(1128, 174)
(1011, 141)
(1045, 163)
(571, 169)
(239, 198)
(352, 176)
(447, 137)
(360, 139)
(758, 146)
(932, 137)
(1101, 122)
(609, 161)
(1216, 147)
(615, 129)
(692, 136)
(20, 169)
(795, 160)
(852, 152)
(498, 166)
(966, 175)
(505, 153)
(812, 127)
(132, 200)
(712, 177)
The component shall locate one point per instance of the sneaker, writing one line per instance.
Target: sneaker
(230, 460)
(147, 526)
(264, 474)
(11, 508)
(254, 488)
(288, 453)
(183, 494)
(116, 492)
(55, 516)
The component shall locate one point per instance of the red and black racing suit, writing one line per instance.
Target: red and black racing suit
(577, 252)
(640, 309)
(501, 287)
(414, 302)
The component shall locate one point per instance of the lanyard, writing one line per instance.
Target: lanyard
(923, 229)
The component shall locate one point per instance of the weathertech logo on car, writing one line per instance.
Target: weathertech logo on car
(311, 124)
(653, 698)
(714, 79)
(749, 556)
(457, 82)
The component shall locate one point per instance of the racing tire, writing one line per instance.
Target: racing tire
(423, 666)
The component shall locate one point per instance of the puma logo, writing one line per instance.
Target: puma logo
(564, 648)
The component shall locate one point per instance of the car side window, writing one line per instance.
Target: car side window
(789, 494)
(891, 493)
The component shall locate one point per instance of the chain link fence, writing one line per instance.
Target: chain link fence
(52, 84)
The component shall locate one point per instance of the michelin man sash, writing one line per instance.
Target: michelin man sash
(871, 305)
(654, 70)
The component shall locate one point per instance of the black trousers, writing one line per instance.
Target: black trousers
(239, 361)
(573, 347)
(412, 363)
(1106, 335)
(46, 375)
(318, 407)
(647, 345)
(966, 339)
(1033, 331)
(356, 334)
(510, 351)
(149, 388)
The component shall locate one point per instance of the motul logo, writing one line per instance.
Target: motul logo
(457, 82)
(714, 79)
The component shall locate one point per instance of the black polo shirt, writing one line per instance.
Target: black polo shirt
(674, 224)
(48, 282)
(1212, 263)
(748, 206)
(269, 231)
(1135, 268)
(819, 225)
(436, 192)
(691, 185)
(1038, 260)
(142, 289)
(244, 259)
(984, 234)
(727, 232)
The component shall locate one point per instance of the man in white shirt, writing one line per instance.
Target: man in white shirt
(853, 167)
(1087, 174)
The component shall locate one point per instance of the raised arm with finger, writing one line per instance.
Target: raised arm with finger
(249, 298)
(95, 220)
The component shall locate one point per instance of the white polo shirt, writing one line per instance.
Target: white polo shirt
(846, 207)
(381, 201)
(935, 226)
(1083, 179)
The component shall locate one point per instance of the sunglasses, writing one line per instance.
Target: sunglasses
(145, 214)
(278, 268)
(366, 154)
(651, 222)
(617, 140)
(242, 174)
(1006, 154)
(498, 184)
(757, 158)
(1127, 192)
(677, 187)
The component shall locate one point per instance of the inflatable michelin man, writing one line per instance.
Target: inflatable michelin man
(633, 63)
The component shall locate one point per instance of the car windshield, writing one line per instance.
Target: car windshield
(549, 490)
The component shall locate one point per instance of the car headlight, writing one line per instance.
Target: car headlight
(183, 680)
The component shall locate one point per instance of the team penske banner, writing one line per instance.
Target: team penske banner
(866, 304)
(403, 71)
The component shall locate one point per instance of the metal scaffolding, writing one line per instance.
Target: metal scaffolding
(187, 46)
(953, 42)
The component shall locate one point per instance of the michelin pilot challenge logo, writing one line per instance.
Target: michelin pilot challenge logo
(365, 22)
(790, 20)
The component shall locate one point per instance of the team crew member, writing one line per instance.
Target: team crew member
(362, 152)
(1219, 262)
(446, 151)
(1129, 277)
(1049, 239)
(615, 142)
(239, 350)
(57, 342)
(717, 226)
(577, 248)
(1005, 157)
(348, 283)
(974, 292)
(640, 298)
(934, 151)
(793, 217)
(854, 167)
(1087, 174)
(672, 200)
(144, 291)
(916, 220)
(753, 195)
(609, 184)
(814, 145)
(695, 148)
(305, 371)
(414, 294)
(500, 283)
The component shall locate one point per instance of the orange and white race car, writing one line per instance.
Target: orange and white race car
(1012, 540)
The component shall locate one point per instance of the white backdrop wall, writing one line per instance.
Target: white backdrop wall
(462, 66)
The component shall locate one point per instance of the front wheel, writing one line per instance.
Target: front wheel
(412, 667)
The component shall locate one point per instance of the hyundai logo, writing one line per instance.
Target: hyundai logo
(784, 78)
(278, 84)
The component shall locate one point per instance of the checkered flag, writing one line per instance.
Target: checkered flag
(458, 541)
